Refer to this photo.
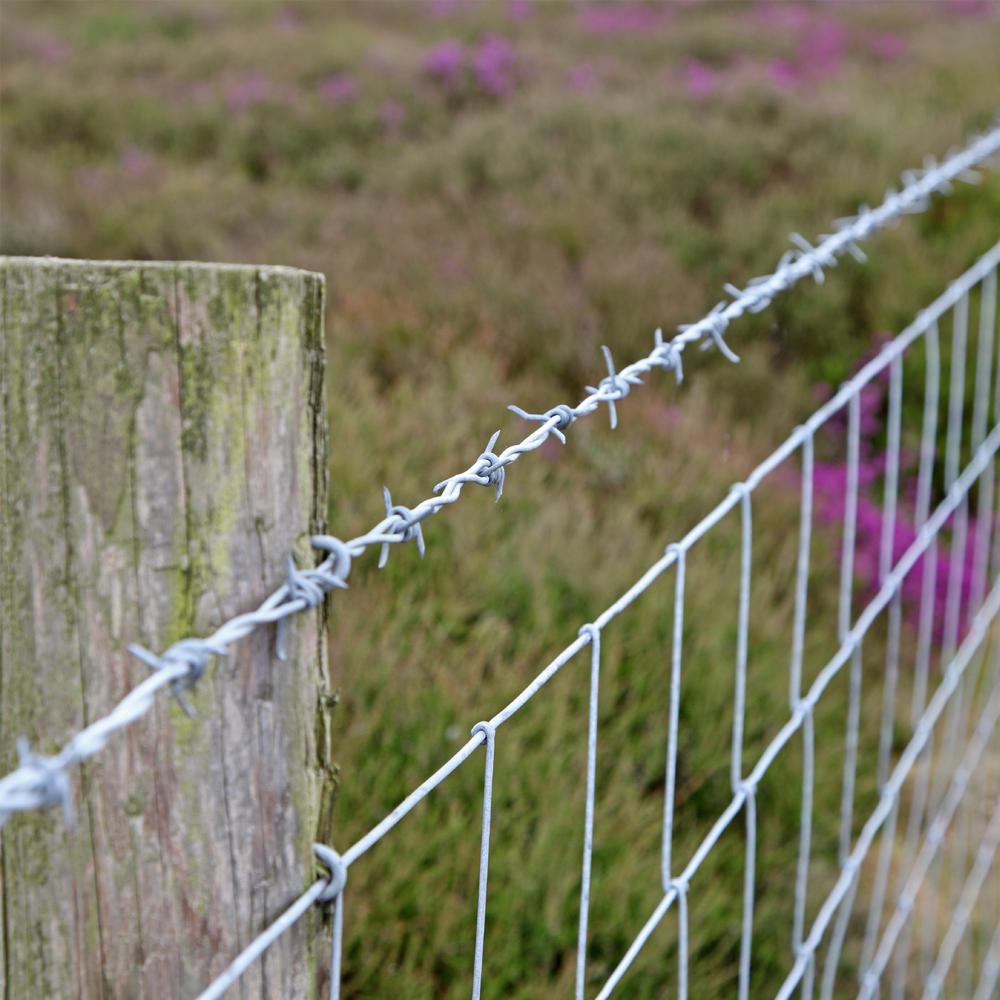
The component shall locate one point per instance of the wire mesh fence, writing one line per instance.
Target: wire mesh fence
(913, 906)
(896, 495)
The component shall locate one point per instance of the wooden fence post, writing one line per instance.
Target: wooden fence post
(163, 451)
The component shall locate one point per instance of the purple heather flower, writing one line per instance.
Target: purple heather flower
(452, 265)
(392, 114)
(493, 64)
(247, 91)
(520, 10)
(787, 16)
(973, 8)
(287, 19)
(618, 18)
(700, 78)
(93, 180)
(823, 48)
(446, 61)
(888, 46)
(665, 417)
(136, 162)
(784, 74)
(339, 88)
(443, 8)
(582, 78)
(379, 60)
(952, 577)
(49, 49)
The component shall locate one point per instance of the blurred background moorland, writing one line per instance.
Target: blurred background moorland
(494, 190)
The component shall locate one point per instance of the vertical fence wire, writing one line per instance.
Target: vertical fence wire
(739, 723)
(670, 781)
(844, 624)
(593, 635)
(795, 694)
(489, 734)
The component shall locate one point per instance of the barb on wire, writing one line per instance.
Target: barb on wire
(488, 471)
(492, 470)
(717, 324)
(616, 386)
(184, 663)
(44, 782)
(309, 586)
(405, 521)
(667, 356)
(562, 414)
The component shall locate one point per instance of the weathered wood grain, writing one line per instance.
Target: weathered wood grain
(163, 451)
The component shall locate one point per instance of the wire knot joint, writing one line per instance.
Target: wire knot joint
(47, 783)
(402, 522)
(667, 355)
(488, 730)
(490, 468)
(563, 412)
(337, 868)
(614, 386)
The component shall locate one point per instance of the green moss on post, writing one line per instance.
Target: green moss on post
(163, 449)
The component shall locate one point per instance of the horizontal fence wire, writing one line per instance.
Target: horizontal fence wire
(931, 832)
(41, 781)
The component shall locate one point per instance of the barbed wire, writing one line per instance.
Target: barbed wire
(41, 781)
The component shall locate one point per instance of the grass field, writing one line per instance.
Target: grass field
(494, 191)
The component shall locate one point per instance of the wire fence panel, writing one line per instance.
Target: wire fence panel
(914, 906)
(897, 470)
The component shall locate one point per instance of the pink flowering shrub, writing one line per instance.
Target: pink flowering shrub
(339, 88)
(248, 91)
(822, 43)
(446, 62)
(444, 8)
(520, 10)
(822, 48)
(490, 65)
(582, 78)
(136, 163)
(783, 16)
(830, 486)
(287, 19)
(888, 46)
(620, 18)
(493, 65)
(974, 8)
(784, 74)
(47, 48)
(700, 79)
(392, 115)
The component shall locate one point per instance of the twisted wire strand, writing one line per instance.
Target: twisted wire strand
(41, 781)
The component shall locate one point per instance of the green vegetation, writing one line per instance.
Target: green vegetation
(483, 235)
